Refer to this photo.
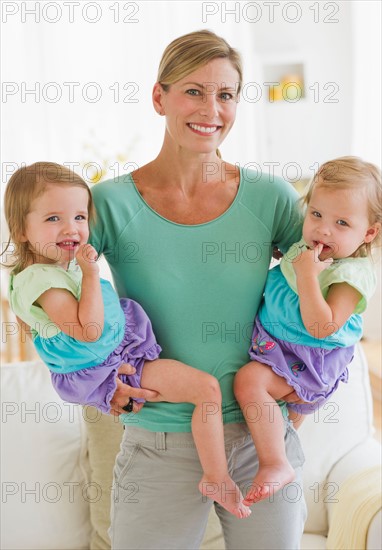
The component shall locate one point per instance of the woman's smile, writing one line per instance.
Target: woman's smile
(203, 129)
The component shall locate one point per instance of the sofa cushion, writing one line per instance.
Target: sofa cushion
(342, 424)
(45, 488)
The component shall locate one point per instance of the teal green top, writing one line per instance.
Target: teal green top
(201, 285)
(280, 311)
(61, 352)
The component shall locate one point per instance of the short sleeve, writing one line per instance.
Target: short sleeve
(97, 229)
(288, 220)
(27, 286)
(274, 202)
(358, 273)
(109, 221)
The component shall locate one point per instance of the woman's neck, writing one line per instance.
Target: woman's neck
(188, 188)
(187, 168)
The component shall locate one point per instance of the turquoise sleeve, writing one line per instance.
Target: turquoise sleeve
(112, 215)
(287, 227)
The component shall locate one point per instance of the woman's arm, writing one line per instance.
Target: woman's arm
(322, 317)
(82, 319)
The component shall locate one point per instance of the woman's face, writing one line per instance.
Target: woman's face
(200, 108)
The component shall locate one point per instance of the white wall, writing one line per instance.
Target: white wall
(107, 52)
(317, 127)
(366, 134)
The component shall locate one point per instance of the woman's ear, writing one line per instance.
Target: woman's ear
(157, 97)
(372, 232)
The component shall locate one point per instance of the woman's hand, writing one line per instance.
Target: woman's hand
(124, 392)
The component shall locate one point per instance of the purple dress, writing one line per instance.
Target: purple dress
(84, 372)
(313, 367)
(96, 385)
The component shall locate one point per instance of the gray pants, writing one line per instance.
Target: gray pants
(156, 503)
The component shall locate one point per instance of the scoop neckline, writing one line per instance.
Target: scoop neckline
(215, 220)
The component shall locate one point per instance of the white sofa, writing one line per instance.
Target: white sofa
(50, 497)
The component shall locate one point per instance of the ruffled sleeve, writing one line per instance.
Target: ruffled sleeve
(26, 287)
(356, 272)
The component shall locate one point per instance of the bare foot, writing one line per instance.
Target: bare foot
(269, 479)
(225, 492)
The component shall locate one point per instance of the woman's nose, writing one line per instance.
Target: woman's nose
(209, 105)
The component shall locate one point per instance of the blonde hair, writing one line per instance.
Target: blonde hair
(352, 173)
(25, 185)
(191, 51)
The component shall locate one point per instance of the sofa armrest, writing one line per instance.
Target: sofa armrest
(353, 493)
(374, 534)
(364, 455)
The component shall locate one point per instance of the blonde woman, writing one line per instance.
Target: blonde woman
(190, 237)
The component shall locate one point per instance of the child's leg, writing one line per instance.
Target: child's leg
(178, 383)
(256, 388)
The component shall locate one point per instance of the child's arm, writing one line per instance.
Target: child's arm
(321, 318)
(83, 319)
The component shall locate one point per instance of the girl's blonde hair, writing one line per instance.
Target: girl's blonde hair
(191, 51)
(25, 185)
(352, 173)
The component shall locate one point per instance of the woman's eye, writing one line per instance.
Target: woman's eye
(193, 92)
(342, 222)
(226, 96)
(52, 219)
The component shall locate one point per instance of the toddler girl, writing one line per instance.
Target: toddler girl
(310, 319)
(80, 328)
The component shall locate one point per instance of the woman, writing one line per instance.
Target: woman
(190, 237)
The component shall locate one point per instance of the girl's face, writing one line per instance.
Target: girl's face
(57, 224)
(339, 220)
(200, 108)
